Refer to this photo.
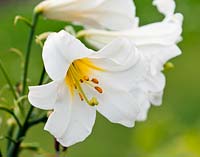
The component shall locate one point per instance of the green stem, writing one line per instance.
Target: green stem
(14, 147)
(0, 153)
(39, 120)
(42, 76)
(12, 113)
(28, 51)
(13, 151)
(8, 80)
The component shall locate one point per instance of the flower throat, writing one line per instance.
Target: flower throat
(78, 73)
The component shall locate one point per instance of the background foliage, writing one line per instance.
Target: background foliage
(172, 130)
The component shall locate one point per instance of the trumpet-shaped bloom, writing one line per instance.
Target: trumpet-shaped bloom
(167, 32)
(156, 41)
(109, 14)
(85, 81)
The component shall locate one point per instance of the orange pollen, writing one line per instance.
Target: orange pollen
(94, 80)
(99, 89)
(86, 78)
(81, 96)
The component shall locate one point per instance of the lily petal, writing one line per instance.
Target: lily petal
(158, 55)
(154, 83)
(60, 49)
(166, 32)
(118, 106)
(121, 12)
(120, 53)
(92, 13)
(124, 68)
(166, 7)
(61, 113)
(121, 62)
(144, 108)
(81, 121)
(43, 96)
(156, 98)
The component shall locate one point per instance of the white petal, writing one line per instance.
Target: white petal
(166, 7)
(142, 98)
(121, 12)
(152, 88)
(166, 32)
(116, 102)
(158, 55)
(144, 108)
(59, 119)
(154, 83)
(92, 13)
(121, 53)
(156, 98)
(123, 65)
(80, 123)
(59, 51)
(43, 96)
(118, 106)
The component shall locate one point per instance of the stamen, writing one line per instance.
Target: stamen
(94, 80)
(81, 81)
(78, 74)
(86, 78)
(79, 88)
(75, 86)
(99, 89)
(81, 96)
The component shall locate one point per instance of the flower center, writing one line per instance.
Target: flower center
(79, 73)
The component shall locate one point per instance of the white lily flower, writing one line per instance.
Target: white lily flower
(85, 81)
(167, 32)
(108, 14)
(157, 42)
(166, 7)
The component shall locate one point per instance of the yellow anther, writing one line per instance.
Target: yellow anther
(81, 96)
(99, 89)
(94, 80)
(86, 78)
(75, 86)
(81, 81)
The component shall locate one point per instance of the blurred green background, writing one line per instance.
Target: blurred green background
(172, 130)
